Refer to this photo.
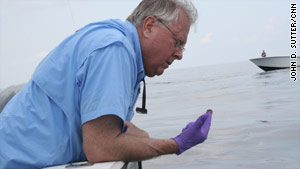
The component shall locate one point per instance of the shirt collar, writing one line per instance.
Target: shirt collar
(134, 37)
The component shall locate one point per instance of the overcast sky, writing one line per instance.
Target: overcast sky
(226, 31)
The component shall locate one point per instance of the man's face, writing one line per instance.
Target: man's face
(163, 44)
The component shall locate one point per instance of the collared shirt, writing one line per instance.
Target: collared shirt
(94, 72)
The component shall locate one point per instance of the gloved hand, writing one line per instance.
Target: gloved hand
(194, 133)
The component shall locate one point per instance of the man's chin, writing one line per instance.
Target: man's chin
(150, 74)
(155, 73)
(160, 72)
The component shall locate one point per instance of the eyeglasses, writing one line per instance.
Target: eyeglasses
(179, 44)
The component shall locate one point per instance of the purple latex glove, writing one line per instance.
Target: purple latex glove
(194, 133)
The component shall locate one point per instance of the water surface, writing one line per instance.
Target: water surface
(256, 120)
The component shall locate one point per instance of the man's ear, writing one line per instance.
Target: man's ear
(148, 24)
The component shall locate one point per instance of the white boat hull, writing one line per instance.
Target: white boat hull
(105, 165)
(274, 63)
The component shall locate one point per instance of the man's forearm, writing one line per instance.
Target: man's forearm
(135, 148)
(103, 141)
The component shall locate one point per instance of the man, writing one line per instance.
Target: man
(263, 54)
(80, 99)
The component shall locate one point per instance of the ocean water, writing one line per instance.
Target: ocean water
(256, 120)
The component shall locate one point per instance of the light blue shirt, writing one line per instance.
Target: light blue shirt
(94, 72)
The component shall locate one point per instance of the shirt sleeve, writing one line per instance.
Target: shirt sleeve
(105, 83)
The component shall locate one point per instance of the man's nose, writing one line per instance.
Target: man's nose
(178, 54)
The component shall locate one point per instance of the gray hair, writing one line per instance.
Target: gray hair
(166, 10)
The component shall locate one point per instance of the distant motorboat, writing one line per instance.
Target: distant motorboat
(274, 62)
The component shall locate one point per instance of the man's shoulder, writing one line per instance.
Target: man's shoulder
(104, 33)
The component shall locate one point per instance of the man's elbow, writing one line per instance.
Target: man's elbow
(89, 153)
(96, 154)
